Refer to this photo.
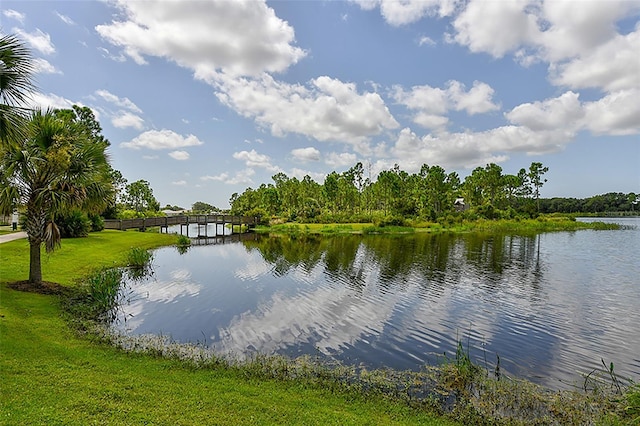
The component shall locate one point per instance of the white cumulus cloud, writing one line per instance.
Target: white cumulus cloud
(431, 104)
(495, 27)
(471, 149)
(253, 159)
(573, 29)
(53, 101)
(42, 66)
(405, 12)
(301, 173)
(617, 113)
(580, 40)
(327, 110)
(161, 139)
(305, 154)
(39, 40)
(116, 100)
(536, 128)
(242, 177)
(126, 119)
(238, 37)
(612, 66)
(221, 177)
(338, 160)
(424, 40)
(563, 111)
(179, 155)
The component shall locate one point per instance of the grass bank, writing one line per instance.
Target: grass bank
(51, 375)
(550, 223)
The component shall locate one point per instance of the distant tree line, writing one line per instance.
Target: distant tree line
(605, 203)
(431, 194)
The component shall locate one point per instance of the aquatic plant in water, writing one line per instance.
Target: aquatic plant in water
(139, 263)
(139, 258)
(183, 244)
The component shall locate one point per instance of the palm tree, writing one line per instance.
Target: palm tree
(51, 170)
(16, 70)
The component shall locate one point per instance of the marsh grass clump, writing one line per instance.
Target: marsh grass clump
(632, 404)
(183, 244)
(477, 398)
(139, 262)
(139, 258)
(94, 300)
(183, 241)
(459, 374)
(103, 289)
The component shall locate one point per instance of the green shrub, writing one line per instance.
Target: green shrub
(74, 224)
(97, 222)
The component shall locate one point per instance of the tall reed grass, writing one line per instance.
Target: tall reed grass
(139, 258)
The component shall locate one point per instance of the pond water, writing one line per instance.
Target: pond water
(552, 306)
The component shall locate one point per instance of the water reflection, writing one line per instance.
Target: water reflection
(401, 301)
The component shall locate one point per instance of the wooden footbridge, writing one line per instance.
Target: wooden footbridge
(236, 224)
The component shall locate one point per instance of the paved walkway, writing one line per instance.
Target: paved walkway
(13, 236)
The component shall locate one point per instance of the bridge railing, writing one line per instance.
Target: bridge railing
(165, 221)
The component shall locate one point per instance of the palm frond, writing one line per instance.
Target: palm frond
(16, 71)
(16, 86)
(52, 237)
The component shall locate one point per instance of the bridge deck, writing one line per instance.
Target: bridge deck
(182, 220)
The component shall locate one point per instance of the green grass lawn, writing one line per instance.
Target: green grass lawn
(49, 375)
(6, 229)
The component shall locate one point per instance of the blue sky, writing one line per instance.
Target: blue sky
(206, 98)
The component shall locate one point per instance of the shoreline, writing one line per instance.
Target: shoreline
(516, 226)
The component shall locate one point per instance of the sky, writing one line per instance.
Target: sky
(205, 98)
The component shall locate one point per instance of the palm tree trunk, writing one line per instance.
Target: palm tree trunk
(35, 266)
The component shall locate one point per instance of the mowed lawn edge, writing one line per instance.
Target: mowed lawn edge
(51, 375)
